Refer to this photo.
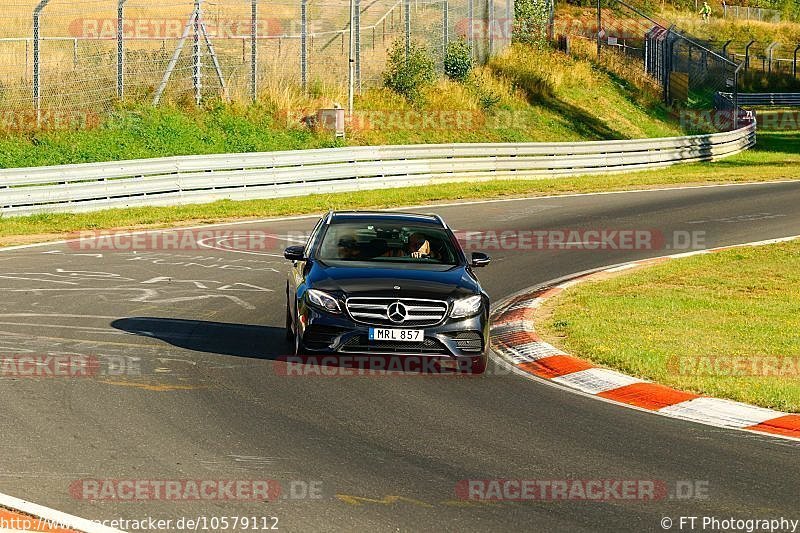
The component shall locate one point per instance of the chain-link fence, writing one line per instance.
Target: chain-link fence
(691, 72)
(58, 55)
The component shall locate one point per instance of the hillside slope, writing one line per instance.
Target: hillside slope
(525, 94)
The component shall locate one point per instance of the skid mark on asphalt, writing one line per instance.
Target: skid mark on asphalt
(392, 500)
(161, 387)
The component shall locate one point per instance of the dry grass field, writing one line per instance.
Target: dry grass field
(78, 59)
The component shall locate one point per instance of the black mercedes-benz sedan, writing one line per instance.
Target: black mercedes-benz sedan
(387, 284)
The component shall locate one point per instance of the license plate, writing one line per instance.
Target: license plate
(403, 335)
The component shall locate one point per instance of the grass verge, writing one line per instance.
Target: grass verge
(777, 157)
(524, 94)
(722, 324)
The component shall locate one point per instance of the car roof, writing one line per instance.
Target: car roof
(388, 216)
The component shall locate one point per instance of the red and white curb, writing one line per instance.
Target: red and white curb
(515, 340)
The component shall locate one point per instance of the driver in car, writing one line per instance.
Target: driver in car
(418, 245)
(347, 247)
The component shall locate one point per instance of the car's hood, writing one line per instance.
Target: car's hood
(435, 283)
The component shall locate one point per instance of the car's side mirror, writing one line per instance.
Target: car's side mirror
(294, 253)
(480, 259)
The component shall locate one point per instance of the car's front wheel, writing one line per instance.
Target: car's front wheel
(298, 343)
(289, 328)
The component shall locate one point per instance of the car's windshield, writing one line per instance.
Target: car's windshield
(387, 242)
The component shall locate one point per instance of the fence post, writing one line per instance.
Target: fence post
(599, 28)
(736, 96)
(407, 15)
(254, 50)
(667, 63)
(445, 25)
(303, 43)
(197, 65)
(357, 32)
(725, 48)
(121, 49)
(747, 54)
(37, 63)
(491, 23)
(470, 18)
(770, 49)
(794, 62)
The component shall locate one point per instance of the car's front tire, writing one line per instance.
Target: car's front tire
(288, 326)
(299, 349)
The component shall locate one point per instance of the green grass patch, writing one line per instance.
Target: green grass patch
(497, 103)
(776, 158)
(686, 322)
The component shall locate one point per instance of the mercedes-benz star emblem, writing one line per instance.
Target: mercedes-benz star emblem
(396, 312)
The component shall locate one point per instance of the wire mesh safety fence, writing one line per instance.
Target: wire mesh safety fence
(73, 60)
(691, 72)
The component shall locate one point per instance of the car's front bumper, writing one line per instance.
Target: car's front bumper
(453, 338)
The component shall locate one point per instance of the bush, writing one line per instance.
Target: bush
(531, 18)
(408, 76)
(457, 60)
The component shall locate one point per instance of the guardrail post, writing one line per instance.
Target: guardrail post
(254, 50)
(304, 43)
(37, 61)
(121, 49)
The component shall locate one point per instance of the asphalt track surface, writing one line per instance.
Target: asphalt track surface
(208, 403)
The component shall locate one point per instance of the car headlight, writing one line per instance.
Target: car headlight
(466, 306)
(323, 300)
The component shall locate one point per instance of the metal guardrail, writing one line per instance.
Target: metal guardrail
(767, 99)
(198, 179)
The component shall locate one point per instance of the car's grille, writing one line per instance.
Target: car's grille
(417, 312)
(362, 344)
(467, 341)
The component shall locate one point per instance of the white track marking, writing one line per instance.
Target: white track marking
(40, 511)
